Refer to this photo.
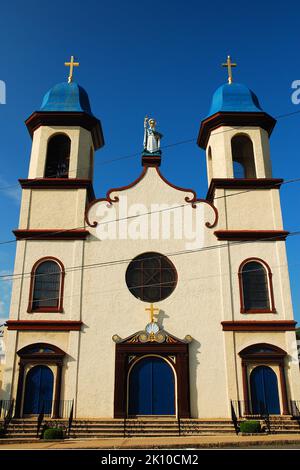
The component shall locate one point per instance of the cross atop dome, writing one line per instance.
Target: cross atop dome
(229, 64)
(71, 64)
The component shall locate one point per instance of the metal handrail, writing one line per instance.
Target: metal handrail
(71, 418)
(234, 417)
(124, 426)
(295, 408)
(179, 426)
(40, 420)
(8, 416)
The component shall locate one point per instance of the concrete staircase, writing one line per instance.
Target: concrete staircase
(144, 427)
(284, 425)
(108, 428)
(279, 424)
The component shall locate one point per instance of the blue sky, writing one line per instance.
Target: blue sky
(156, 58)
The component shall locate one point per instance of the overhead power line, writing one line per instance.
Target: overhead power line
(9, 277)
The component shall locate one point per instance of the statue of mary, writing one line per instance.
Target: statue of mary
(151, 136)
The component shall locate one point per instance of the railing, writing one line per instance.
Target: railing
(295, 408)
(40, 420)
(242, 409)
(4, 407)
(234, 418)
(70, 418)
(8, 416)
(179, 426)
(57, 408)
(239, 408)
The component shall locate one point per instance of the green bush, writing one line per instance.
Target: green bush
(250, 427)
(53, 433)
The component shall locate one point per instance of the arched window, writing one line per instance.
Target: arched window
(256, 289)
(58, 156)
(46, 290)
(242, 157)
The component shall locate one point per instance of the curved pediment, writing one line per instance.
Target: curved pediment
(151, 182)
(142, 337)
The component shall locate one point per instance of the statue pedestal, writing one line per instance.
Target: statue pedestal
(151, 159)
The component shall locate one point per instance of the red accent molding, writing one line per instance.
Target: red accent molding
(235, 235)
(51, 234)
(191, 200)
(241, 183)
(111, 200)
(65, 118)
(151, 160)
(275, 325)
(59, 308)
(270, 287)
(239, 119)
(44, 325)
(59, 183)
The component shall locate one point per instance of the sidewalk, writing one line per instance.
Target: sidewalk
(155, 443)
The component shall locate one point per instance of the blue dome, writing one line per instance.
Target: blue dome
(236, 98)
(66, 97)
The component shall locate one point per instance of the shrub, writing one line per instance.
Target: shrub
(53, 433)
(250, 427)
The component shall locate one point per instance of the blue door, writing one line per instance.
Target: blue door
(38, 390)
(151, 388)
(264, 391)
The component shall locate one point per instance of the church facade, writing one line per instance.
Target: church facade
(149, 300)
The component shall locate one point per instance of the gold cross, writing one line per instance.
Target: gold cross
(71, 64)
(229, 64)
(152, 309)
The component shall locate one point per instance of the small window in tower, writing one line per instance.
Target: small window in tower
(209, 162)
(255, 288)
(58, 157)
(242, 157)
(151, 277)
(46, 286)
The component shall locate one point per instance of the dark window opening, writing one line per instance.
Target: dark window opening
(46, 291)
(255, 287)
(151, 277)
(58, 157)
(243, 157)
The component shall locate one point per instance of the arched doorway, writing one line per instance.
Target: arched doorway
(38, 390)
(33, 357)
(151, 387)
(264, 391)
(260, 382)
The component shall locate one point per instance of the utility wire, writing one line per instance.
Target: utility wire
(40, 237)
(9, 277)
(85, 293)
(182, 142)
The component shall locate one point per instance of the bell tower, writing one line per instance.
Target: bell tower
(65, 136)
(235, 134)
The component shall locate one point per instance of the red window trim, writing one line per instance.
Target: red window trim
(59, 308)
(272, 308)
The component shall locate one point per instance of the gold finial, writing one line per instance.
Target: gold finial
(229, 64)
(152, 309)
(71, 64)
